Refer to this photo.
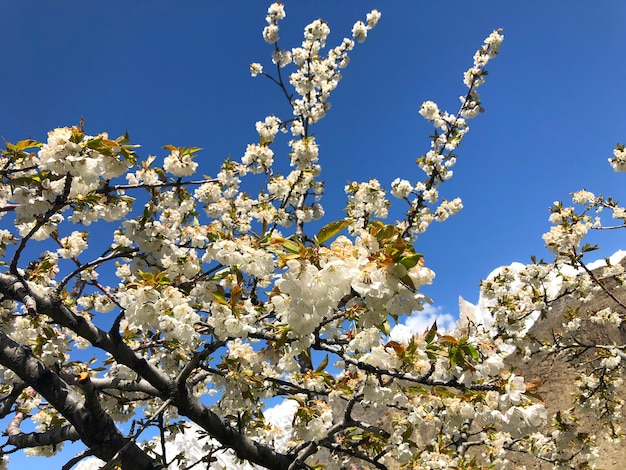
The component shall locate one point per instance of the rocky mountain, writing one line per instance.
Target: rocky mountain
(558, 376)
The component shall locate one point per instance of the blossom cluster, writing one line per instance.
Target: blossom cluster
(618, 162)
(366, 201)
(568, 231)
(315, 78)
(437, 163)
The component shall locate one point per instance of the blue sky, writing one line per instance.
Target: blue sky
(177, 73)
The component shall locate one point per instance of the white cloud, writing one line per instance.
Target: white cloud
(91, 463)
(419, 322)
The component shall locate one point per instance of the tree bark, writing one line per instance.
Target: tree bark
(96, 430)
(67, 402)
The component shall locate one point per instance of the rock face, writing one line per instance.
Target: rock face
(558, 376)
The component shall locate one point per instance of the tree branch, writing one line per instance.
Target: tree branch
(54, 436)
(97, 432)
(187, 405)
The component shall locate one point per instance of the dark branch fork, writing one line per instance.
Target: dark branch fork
(105, 439)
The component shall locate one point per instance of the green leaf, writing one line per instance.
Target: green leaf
(471, 351)
(452, 356)
(28, 143)
(431, 333)
(408, 432)
(588, 247)
(123, 139)
(328, 231)
(145, 276)
(191, 150)
(411, 260)
(77, 135)
(385, 327)
(182, 150)
(386, 233)
(281, 340)
(288, 245)
(407, 281)
(322, 365)
(219, 298)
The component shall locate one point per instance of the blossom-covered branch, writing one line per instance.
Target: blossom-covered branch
(222, 299)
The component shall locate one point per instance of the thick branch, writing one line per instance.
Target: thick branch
(187, 405)
(244, 447)
(124, 385)
(12, 287)
(47, 438)
(99, 433)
